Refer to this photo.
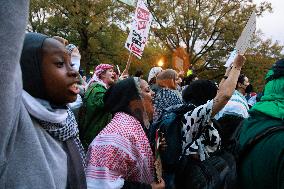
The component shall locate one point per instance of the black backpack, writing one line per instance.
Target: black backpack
(170, 125)
(219, 171)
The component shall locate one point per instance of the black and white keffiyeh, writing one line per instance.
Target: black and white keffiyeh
(59, 123)
(198, 133)
(164, 99)
(64, 131)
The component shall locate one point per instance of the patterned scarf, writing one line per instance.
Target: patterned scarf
(237, 105)
(164, 99)
(59, 123)
(64, 131)
(120, 152)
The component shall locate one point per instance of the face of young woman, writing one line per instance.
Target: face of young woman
(108, 77)
(59, 78)
(147, 97)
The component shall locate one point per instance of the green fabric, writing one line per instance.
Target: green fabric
(272, 101)
(263, 167)
(93, 117)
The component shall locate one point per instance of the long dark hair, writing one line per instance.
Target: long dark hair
(125, 96)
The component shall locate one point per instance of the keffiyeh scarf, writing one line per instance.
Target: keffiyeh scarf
(237, 105)
(164, 99)
(59, 123)
(120, 152)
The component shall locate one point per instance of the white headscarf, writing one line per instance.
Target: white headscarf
(154, 72)
(75, 56)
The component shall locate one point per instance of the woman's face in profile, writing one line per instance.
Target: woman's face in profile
(147, 98)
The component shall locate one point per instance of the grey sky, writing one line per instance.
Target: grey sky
(271, 24)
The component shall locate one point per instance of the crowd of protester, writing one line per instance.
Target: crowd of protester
(60, 131)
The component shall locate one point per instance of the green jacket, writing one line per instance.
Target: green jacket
(93, 117)
(263, 167)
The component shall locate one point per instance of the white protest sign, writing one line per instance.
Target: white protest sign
(244, 40)
(129, 2)
(231, 58)
(140, 27)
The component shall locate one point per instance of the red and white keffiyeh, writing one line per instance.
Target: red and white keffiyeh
(101, 68)
(120, 152)
(98, 71)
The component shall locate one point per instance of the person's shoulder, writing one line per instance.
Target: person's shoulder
(97, 87)
(200, 111)
(123, 124)
(168, 92)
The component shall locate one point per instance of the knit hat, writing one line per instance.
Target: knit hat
(101, 68)
(154, 72)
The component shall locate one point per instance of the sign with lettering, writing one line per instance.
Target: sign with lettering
(140, 28)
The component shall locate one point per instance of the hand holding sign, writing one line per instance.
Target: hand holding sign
(239, 61)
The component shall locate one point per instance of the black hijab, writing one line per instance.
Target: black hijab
(31, 60)
(125, 96)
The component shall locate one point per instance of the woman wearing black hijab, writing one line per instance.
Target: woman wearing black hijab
(41, 148)
(121, 156)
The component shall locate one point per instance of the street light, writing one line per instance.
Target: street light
(160, 63)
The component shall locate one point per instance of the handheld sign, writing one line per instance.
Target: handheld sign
(244, 40)
(140, 28)
(231, 58)
(129, 2)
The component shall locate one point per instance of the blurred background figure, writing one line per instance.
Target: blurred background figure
(93, 116)
(188, 79)
(167, 95)
(152, 78)
(139, 73)
(74, 53)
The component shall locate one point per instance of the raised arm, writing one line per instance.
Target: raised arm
(228, 85)
(13, 21)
